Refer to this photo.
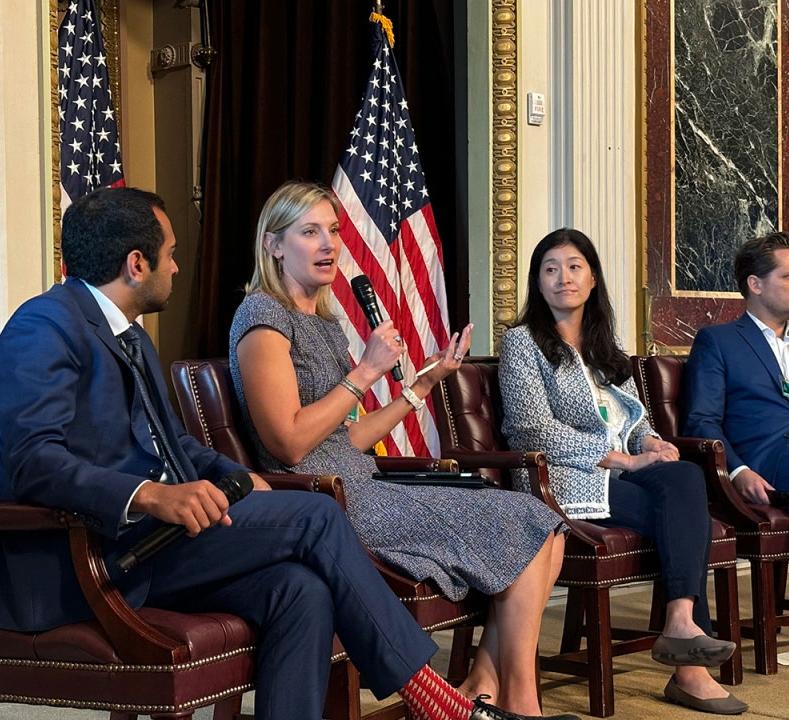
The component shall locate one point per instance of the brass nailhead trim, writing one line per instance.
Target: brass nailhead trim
(423, 598)
(112, 667)
(191, 374)
(451, 623)
(600, 583)
(754, 533)
(147, 709)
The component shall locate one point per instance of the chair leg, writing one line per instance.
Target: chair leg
(460, 656)
(728, 612)
(598, 641)
(573, 620)
(342, 699)
(764, 625)
(781, 603)
(228, 709)
(657, 614)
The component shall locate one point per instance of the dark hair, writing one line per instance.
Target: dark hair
(599, 350)
(757, 257)
(100, 229)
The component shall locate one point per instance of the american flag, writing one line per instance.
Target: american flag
(389, 234)
(90, 154)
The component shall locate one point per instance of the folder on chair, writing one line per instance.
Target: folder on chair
(466, 480)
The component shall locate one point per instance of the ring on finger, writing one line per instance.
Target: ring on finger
(398, 339)
(457, 357)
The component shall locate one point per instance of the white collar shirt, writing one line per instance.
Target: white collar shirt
(118, 323)
(779, 344)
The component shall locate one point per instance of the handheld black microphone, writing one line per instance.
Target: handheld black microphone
(365, 296)
(235, 486)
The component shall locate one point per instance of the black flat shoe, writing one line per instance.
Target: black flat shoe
(485, 711)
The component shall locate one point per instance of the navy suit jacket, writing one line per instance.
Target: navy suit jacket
(74, 435)
(733, 393)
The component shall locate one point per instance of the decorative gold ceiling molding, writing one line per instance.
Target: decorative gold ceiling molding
(504, 156)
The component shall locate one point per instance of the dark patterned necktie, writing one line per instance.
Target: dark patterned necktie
(129, 340)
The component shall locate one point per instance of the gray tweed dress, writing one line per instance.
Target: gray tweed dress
(459, 538)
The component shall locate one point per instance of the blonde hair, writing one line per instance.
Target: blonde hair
(284, 207)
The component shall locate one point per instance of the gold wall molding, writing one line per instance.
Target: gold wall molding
(54, 21)
(504, 163)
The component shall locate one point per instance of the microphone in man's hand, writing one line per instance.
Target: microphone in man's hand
(235, 486)
(365, 296)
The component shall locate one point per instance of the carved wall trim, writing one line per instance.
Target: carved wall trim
(54, 21)
(504, 154)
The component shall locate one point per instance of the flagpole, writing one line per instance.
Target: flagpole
(377, 16)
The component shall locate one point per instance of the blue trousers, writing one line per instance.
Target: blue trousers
(667, 502)
(291, 565)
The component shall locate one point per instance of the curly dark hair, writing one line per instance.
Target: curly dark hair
(100, 229)
(599, 350)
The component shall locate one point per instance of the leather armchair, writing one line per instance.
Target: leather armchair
(762, 531)
(210, 411)
(146, 662)
(469, 414)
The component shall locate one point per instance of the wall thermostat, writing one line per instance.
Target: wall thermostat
(535, 108)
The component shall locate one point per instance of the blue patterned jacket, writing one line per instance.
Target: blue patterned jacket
(554, 410)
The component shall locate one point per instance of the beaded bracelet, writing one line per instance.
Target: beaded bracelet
(348, 385)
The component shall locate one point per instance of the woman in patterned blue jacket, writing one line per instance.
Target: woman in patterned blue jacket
(567, 390)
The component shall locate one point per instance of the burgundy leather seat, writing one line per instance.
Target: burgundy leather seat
(469, 413)
(150, 662)
(762, 531)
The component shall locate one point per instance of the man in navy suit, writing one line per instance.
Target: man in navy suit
(737, 376)
(75, 434)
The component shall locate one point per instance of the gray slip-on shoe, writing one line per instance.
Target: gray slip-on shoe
(700, 650)
(729, 705)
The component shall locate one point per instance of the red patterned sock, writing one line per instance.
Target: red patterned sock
(429, 697)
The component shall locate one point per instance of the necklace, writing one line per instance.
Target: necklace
(353, 414)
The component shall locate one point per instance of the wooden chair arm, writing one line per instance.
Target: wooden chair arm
(17, 517)
(498, 459)
(541, 488)
(415, 464)
(326, 484)
(727, 503)
(132, 638)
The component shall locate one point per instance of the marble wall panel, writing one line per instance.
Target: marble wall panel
(714, 149)
(726, 135)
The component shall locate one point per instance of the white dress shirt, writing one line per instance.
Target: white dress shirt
(118, 323)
